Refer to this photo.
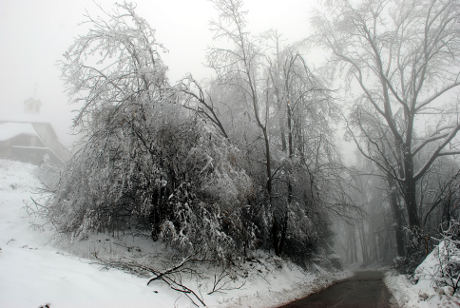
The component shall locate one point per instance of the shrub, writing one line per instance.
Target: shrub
(173, 176)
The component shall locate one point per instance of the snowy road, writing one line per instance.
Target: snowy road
(365, 289)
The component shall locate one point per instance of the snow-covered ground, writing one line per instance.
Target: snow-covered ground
(422, 291)
(37, 267)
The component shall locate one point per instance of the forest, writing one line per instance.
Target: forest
(253, 157)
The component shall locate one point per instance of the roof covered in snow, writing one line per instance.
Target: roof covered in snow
(33, 125)
(10, 130)
(25, 118)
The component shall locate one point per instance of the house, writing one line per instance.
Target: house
(29, 137)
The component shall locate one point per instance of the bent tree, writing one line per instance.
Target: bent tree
(400, 59)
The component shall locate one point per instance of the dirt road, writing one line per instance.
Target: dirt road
(364, 290)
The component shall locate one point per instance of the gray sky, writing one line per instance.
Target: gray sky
(34, 34)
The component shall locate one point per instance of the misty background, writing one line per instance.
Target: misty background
(35, 34)
(224, 133)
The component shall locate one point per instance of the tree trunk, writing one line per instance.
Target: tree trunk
(446, 206)
(282, 137)
(268, 165)
(411, 202)
(362, 239)
(398, 218)
(289, 122)
(409, 187)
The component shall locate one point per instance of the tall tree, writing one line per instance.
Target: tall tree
(401, 57)
(374, 141)
(278, 89)
(240, 65)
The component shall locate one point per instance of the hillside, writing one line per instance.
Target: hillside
(39, 267)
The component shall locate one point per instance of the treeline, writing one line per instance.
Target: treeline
(247, 160)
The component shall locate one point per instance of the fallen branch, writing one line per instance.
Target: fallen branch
(169, 271)
(222, 283)
(165, 276)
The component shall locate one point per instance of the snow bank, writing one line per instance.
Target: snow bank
(422, 290)
(33, 276)
(38, 267)
(33, 272)
(262, 281)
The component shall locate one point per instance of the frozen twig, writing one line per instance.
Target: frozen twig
(165, 276)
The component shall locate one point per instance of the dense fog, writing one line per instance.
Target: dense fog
(322, 135)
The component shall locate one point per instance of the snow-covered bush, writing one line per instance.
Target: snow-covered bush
(418, 245)
(302, 220)
(184, 185)
(145, 162)
(449, 257)
(209, 197)
(441, 267)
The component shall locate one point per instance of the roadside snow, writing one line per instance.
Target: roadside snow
(423, 292)
(38, 267)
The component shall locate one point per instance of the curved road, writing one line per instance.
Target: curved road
(364, 290)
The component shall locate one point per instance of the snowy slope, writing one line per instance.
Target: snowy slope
(38, 267)
(425, 293)
(34, 273)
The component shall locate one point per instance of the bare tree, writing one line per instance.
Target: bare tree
(303, 110)
(200, 101)
(240, 65)
(114, 64)
(277, 87)
(374, 141)
(303, 101)
(438, 194)
(401, 57)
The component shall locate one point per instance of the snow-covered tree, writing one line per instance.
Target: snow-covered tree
(144, 162)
